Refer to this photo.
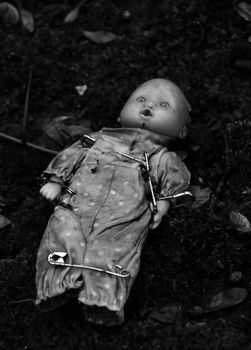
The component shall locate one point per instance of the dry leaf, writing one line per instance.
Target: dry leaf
(27, 20)
(81, 89)
(244, 11)
(225, 299)
(8, 13)
(100, 37)
(72, 15)
(167, 314)
(202, 195)
(240, 221)
(63, 129)
(4, 221)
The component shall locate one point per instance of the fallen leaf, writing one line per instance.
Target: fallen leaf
(244, 10)
(81, 89)
(225, 299)
(63, 129)
(27, 20)
(4, 221)
(202, 195)
(167, 314)
(8, 13)
(100, 37)
(240, 221)
(72, 15)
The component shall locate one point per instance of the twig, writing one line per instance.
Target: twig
(28, 144)
(26, 106)
(20, 301)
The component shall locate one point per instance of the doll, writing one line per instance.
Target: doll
(108, 201)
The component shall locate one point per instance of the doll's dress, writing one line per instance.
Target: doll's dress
(107, 218)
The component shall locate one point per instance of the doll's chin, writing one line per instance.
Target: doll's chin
(145, 117)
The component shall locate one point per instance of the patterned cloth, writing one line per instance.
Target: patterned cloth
(108, 217)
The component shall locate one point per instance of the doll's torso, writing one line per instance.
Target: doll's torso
(109, 186)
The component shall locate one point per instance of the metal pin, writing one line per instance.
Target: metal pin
(155, 208)
(182, 198)
(144, 163)
(70, 191)
(131, 157)
(87, 140)
(58, 258)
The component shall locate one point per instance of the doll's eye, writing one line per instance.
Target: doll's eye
(165, 105)
(140, 99)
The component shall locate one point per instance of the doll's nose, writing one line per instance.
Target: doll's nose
(149, 104)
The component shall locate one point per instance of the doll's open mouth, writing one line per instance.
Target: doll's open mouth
(146, 113)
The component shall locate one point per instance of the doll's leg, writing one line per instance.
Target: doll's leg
(62, 234)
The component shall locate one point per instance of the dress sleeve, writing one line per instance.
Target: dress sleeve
(66, 161)
(172, 174)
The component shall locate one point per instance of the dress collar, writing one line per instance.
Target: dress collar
(136, 135)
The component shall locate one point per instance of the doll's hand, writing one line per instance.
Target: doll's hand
(51, 190)
(163, 207)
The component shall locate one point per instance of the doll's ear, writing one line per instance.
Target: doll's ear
(183, 132)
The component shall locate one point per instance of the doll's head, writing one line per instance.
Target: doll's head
(157, 105)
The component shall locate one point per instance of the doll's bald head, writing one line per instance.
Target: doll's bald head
(160, 106)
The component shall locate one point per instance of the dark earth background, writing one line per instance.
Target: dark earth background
(200, 45)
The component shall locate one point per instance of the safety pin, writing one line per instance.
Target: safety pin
(131, 157)
(57, 258)
(145, 163)
(189, 197)
(155, 208)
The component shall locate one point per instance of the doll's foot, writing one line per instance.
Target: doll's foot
(100, 315)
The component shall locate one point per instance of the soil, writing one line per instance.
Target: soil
(197, 44)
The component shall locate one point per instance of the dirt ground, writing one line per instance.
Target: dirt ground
(197, 44)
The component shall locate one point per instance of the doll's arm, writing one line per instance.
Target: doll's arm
(53, 188)
(163, 207)
(172, 177)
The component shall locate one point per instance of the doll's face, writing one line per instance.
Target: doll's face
(157, 105)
